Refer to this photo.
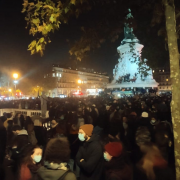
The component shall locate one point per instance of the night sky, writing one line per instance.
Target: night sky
(14, 40)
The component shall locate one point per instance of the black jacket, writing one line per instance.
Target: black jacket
(92, 153)
(3, 139)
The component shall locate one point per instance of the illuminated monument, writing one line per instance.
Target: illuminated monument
(131, 71)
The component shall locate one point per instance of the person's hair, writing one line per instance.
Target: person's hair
(27, 122)
(57, 150)
(17, 114)
(29, 150)
(16, 127)
(8, 115)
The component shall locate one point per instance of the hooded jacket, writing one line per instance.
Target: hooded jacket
(54, 174)
(92, 165)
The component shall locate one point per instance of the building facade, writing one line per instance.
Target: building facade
(162, 76)
(70, 81)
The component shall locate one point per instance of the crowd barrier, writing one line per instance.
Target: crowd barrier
(25, 112)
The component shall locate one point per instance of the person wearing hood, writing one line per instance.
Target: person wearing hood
(117, 166)
(30, 163)
(90, 155)
(56, 156)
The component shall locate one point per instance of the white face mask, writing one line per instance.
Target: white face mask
(81, 137)
(37, 158)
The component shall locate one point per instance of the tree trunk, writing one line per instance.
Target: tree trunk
(174, 71)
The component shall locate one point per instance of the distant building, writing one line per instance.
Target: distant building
(71, 81)
(162, 76)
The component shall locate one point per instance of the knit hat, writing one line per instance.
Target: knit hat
(22, 132)
(144, 115)
(87, 128)
(114, 148)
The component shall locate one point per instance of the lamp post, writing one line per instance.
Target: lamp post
(10, 90)
(15, 76)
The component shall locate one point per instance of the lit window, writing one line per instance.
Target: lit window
(153, 71)
(53, 74)
(163, 70)
(57, 74)
(166, 79)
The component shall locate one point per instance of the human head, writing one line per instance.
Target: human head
(37, 155)
(85, 132)
(54, 123)
(57, 151)
(153, 120)
(32, 155)
(37, 122)
(112, 149)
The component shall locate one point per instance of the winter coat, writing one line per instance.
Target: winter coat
(53, 174)
(3, 140)
(118, 169)
(160, 173)
(28, 172)
(41, 135)
(92, 165)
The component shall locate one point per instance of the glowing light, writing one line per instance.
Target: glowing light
(10, 90)
(15, 75)
(79, 81)
(78, 93)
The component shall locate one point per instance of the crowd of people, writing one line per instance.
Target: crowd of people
(90, 139)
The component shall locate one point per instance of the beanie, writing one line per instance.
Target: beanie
(22, 132)
(145, 115)
(114, 148)
(87, 128)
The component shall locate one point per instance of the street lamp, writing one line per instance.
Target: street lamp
(79, 81)
(15, 76)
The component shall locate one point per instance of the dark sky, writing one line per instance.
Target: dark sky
(14, 40)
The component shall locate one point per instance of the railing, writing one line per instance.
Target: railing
(25, 112)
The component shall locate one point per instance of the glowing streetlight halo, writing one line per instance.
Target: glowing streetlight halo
(15, 75)
(79, 81)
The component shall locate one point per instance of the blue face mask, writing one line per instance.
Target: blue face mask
(37, 158)
(81, 137)
(105, 157)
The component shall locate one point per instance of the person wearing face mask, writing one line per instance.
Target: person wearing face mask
(117, 165)
(30, 163)
(90, 155)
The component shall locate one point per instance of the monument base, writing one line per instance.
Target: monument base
(142, 84)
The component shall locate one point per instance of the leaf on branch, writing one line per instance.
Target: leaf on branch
(66, 10)
(73, 2)
(52, 18)
(59, 4)
(38, 48)
(31, 4)
(25, 4)
(36, 21)
(41, 40)
(40, 28)
(48, 7)
(32, 45)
